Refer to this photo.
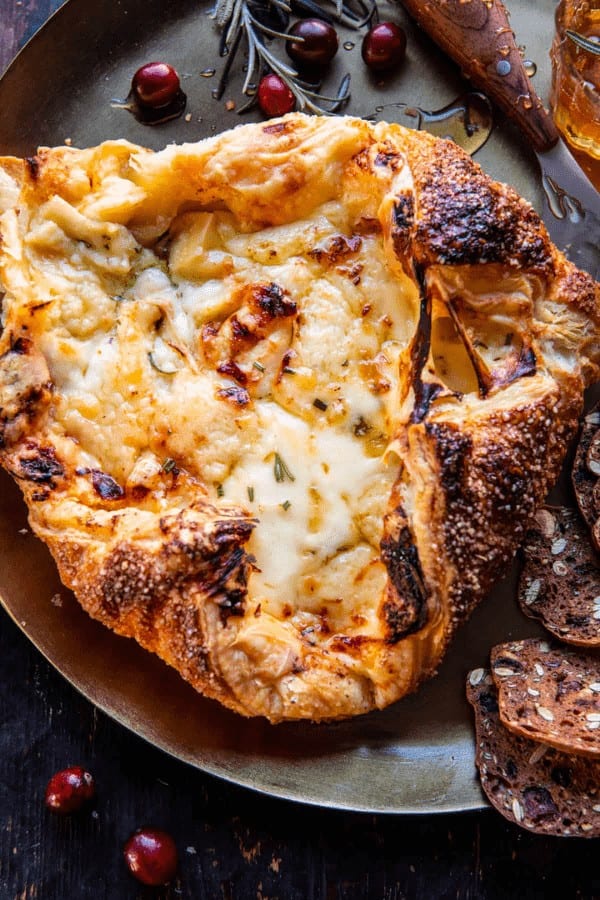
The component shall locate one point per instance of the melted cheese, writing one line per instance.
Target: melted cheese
(311, 514)
(125, 340)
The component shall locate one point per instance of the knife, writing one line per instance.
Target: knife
(477, 35)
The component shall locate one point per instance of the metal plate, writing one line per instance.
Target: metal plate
(416, 756)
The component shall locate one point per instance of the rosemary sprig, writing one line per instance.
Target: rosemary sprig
(237, 17)
(586, 43)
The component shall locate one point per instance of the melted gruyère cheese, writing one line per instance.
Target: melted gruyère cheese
(138, 382)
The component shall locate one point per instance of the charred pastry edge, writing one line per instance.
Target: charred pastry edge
(402, 561)
(405, 608)
(159, 598)
(522, 362)
(28, 405)
(424, 391)
(507, 230)
(467, 218)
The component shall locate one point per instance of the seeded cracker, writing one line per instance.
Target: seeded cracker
(584, 478)
(549, 694)
(530, 784)
(560, 579)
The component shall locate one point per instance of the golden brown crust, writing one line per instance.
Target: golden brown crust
(152, 586)
(472, 398)
(460, 217)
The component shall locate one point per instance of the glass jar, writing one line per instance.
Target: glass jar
(575, 97)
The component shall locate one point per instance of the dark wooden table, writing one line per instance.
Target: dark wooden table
(233, 843)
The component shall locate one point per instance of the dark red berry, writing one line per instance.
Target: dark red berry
(151, 855)
(155, 85)
(274, 96)
(384, 46)
(319, 46)
(69, 790)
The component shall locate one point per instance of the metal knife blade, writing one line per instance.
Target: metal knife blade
(573, 219)
(477, 35)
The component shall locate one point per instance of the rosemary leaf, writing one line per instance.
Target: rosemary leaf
(340, 96)
(164, 369)
(313, 9)
(220, 88)
(222, 11)
(280, 470)
(270, 31)
(252, 61)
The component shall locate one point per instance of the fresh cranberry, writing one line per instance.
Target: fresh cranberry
(155, 85)
(384, 46)
(69, 790)
(319, 44)
(151, 856)
(274, 96)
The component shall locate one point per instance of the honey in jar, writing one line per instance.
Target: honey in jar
(575, 95)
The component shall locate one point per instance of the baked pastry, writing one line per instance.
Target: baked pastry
(282, 402)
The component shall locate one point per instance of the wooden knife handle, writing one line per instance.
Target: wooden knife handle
(477, 35)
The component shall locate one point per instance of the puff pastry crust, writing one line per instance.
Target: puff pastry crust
(281, 402)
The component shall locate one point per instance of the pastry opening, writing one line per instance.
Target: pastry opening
(452, 363)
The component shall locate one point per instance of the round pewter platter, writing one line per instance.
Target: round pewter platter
(418, 755)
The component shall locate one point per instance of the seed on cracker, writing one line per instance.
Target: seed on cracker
(532, 784)
(559, 582)
(592, 457)
(583, 477)
(564, 712)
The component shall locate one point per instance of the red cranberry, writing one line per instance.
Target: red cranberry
(384, 46)
(151, 856)
(69, 790)
(155, 85)
(274, 96)
(319, 46)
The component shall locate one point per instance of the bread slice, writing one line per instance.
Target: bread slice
(549, 694)
(532, 785)
(559, 582)
(585, 479)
